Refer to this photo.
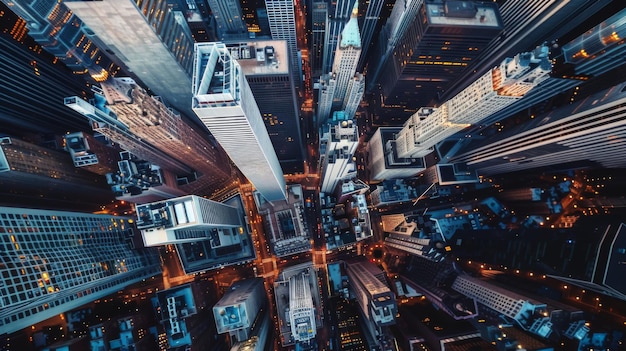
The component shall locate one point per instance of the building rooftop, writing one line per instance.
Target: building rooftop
(263, 57)
(464, 13)
(366, 274)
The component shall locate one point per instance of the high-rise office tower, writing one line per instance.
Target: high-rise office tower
(589, 58)
(354, 94)
(105, 122)
(339, 13)
(588, 254)
(158, 49)
(342, 86)
(338, 142)
(347, 54)
(428, 51)
(326, 94)
(224, 102)
(376, 301)
(25, 65)
(149, 120)
(266, 67)
(187, 219)
(531, 315)
(61, 33)
(282, 21)
(59, 183)
(527, 23)
(229, 19)
(588, 133)
(297, 304)
(236, 312)
(492, 92)
(207, 234)
(369, 20)
(319, 14)
(56, 261)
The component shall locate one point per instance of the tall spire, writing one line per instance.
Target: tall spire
(350, 36)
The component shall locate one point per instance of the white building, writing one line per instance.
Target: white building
(282, 20)
(189, 219)
(65, 260)
(354, 94)
(301, 311)
(492, 92)
(589, 132)
(236, 312)
(326, 93)
(337, 146)
(343, 87)
(383, 159)
(347, 54)
(529, 314)
(224, 102)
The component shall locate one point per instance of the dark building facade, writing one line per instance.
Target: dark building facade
(24, 65)
(438, 45)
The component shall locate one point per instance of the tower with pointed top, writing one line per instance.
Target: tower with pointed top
(343, 83)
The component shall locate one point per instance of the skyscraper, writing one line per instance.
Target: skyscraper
(339, 13)
(282, 20)
(236, 312)
(59, 183)
(591, 132)
(105, 122)
(301, 310)
(25, 65)
(354, 94)
(430, 44)
(147, 119)
(368, 21)
(347, 54)
(376, 300)
(266, 67)
(55, 261)
(338, 142)
(62, 34)
(343, 88)
(589, 58)
(158, 49)
(319, 14)
(229, 19)
(188, 219)
(224, 102)
(525, 24)
(531, 315)
(492, 92)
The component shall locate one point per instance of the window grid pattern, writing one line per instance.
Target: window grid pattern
(50, 258)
